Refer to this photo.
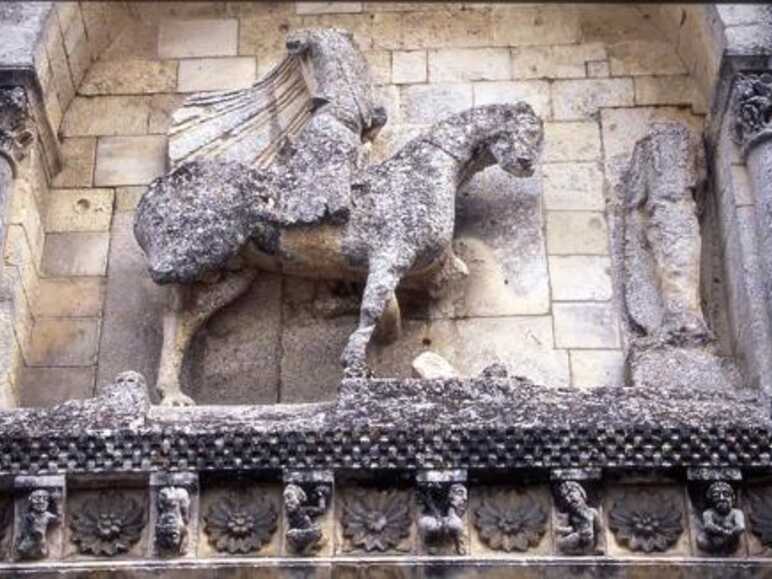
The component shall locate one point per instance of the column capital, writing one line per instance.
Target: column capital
(752, 108)
(16, 124)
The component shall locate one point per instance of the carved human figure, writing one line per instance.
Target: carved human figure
(578, 532)
(171, 529)
(443, 518)
(722, 523)
(42, 512)
(304, 534)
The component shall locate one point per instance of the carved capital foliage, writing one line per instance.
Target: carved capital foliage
(16, 125)
(752, 107)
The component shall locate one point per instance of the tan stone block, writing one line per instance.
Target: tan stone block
(97, 29)
(75, 254)
(80, 210)
(741, 185)
(535, 92)
(157, 11)
(576, 233)
(388, 97)
(66, 12)
(469, 64)
(64, 342)
(579, 99)
(597, 368)
(444, 28)
(130, 76)
(386, 31)
(129, 160)
(205, 74)
(17, 255)
(57, 56)
(25, 211)
(266, 34)
(69, 297)
(610, 23)
(643, 57)
(571, 142)
(53, 109)
(80, 61)
(408, 66)
(380, 65)
(585, 325)
(360, 25)
(73, 31)
(514, 25)
(162, 107)
(126, 198)
(46, 387)
(138, 40)
(106, 115)
(573, 186)
(425, 104)
(392, 138)
(411, 6)
(555, 61)
(598, 69)
(580, 278)
(327, 7)
(666, 90)
(77, 162)
(195, 38)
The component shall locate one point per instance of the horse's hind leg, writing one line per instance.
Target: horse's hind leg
(189, 308)
(382, 280)
(389, 326)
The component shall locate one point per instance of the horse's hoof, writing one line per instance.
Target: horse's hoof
(177, 399)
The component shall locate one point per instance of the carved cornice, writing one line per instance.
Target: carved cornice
(752, 108)
(17, 131)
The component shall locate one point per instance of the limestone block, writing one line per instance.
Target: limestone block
(430, 365)
(388, 6)
(129, 76)
(25, 212)
(586, 325)
(106, 115)
(596, 368)
(611, 23)
(67, 12)
(392, 138)
(741, 185)
(644, 57)
(75, 254)
(45, 387)
(126, 198)
(360, 25)
(57, 56)
(580, 278)
(388, 96)
(573, 186)
(18, 256)
(63, 342)
(235, 358)
(396, 359)
(598, 69)
(196, 38)
(426, 104)
(668, 90)
(571, 142)
(80, 61)
(129, 160)
(535, 92)
(265, 34)
(408, 66)
(386, 30)
(77, 162)
(80, 210)
(327, 7)
(579, 99)
(468, 64)
(555, 61)
(380, 65)
(205, 74)
(72, 27)
(162, 107)
(576, 233)
(69, 297)
(525, 26)
(443, 28)
(136, 40)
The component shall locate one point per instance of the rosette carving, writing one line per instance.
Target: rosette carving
(108, 524)
(376, 521)
(646, 523)
(238, 524)
(507, 526)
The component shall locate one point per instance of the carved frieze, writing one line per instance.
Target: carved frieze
(508, 525)
(43, 510)
(375, 521)
(240, 523)
(752, 108)
(16, 125)
(721, 523)
(579, 524)
(442, 521)
(171, 529)
(303, 507)
(760, 515)
(107, 524)
(646, 521)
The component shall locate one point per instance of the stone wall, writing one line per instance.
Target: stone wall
(540, 296)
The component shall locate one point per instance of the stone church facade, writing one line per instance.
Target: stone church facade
(576, 384)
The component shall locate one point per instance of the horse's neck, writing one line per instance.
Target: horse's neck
(465, 143)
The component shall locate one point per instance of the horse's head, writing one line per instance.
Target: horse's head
(517, 139)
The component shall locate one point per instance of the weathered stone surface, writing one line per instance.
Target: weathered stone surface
(129, 160)
(126, 198)
(162, 106)
(579, 99)
(578, 141)
(430, 365)
(573, 186)
(75, 254)
(196, 38)
(80, 210)
(598, 69)
(424, 104)
(469, 64)
(535, 93)
(106, 115)
(576, 232)
(434, 29)
(380, 62)
(586, 325)
(640, 57)
(206, 74)
(580, 277)
(78, 156)
(63, 342)
(681, 367)
(594, 368)
(69, 297)
(524, 26)
(741, 186)
(45, 387)
(327, 7)
(408, 66)
(129, 76)
(668, 90)
(556, 61)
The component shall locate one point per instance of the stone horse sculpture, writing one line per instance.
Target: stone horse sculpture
(304, 202)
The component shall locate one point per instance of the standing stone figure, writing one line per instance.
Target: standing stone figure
(173, 515)
(443, 518)
(578, 531)
(304, 534)
(42, 512)
(662, 253)
(722, 523)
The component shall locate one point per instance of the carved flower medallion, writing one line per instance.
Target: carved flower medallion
(240, 525)
(760, 515)
(109, 524)
(376, 521)
(645, 522)
(505, 526)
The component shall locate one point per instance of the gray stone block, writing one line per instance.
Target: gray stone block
(75, 254)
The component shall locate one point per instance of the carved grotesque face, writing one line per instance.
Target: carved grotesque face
(38, 501)
(457, 497)
(573, 495)
(517, 147)
(721, 496)
(293, 497)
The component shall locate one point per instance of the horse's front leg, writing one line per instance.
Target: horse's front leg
(188, 309)
(382, 280)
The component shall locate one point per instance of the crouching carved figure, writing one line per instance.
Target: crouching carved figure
(274, 178)
(722, 523)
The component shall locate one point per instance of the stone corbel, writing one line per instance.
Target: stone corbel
(443, 499)
(174, 505)
(578, 524)
(307, 500)
(17, 129)
(720, 525)
(39, 517)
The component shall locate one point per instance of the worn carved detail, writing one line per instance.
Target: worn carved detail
(304, 534)
(510, 526)
(579, 524)
(377, 520)
(42, 512)
(646, 522)
(760, 515)
(16, 126)
(722, 523)
(171, 530)
(752, 107)
(239, 524)
(317, 210)
(441, 523)
(108, 524)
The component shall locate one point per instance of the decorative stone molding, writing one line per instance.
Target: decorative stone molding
(646, 522)
(17, 129)
(239, 524)
(108, 524)
(375, 521)
(752, 108)
(508, 526)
